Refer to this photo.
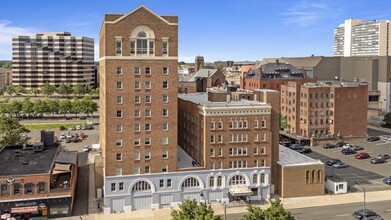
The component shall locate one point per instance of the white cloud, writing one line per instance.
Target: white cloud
(306, 12)
(7, 31)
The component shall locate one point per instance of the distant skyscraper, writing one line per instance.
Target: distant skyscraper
(52, 57)
(199, 63)
(362, 38)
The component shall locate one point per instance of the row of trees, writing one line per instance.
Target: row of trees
(191, 210)
(48, 90)
(48, 106)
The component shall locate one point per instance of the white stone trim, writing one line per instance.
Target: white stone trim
(137, 58)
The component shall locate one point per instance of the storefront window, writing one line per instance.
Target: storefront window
(28, 188)
(4, 190)
(41, 187)
(17, 188)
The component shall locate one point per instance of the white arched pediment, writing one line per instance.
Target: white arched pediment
(240, 174)
(142, 28)
(153, 188)
(202, 185)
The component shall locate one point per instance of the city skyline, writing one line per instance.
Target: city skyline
(235, 30)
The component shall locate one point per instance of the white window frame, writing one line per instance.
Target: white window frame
(118, 142)
(137, 70)
(119, 85)
(118, 157)
(119, 99)
(119, 70)
(137, 127)
(118, 128)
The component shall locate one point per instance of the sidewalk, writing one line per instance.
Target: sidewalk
(289, 203)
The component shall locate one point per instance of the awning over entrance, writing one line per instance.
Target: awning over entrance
(61, 168)
(241, 190)
(24, 209)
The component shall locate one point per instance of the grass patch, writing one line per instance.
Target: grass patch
(49, 126)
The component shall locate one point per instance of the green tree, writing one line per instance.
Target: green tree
(53, 106)
(15, 107)
(19, 89)
(190, 210)
(4, 109)
(65, 107)
(11, 90)
(6, 100)
(284, 122)
(79, 89)
(11, 131)
(88, 106)
(76, 106)
(27, 106)
(48, 89)
(276, 211)
(40, 107)
(254, 213)
(65, 89)
(35, 91)
(1, 92)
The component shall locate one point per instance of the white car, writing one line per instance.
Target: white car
(86, 148)
(69, 135)
(347, 146)
(385, 137)
(78, 127)
(63, 136)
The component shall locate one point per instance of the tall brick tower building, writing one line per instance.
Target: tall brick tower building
(138, 104)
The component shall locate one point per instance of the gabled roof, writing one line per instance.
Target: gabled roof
(141, 6)
(203, 73)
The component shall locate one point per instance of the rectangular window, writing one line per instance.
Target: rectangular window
(121, 186)
(132, 47)
(165, 140)
(165, 98)
(137, 113)
(41, 187)
(119, 99)
(219, 152)
(118, 171)
(161, 183)
(136, 127)
(212, 152)
(118, 142)
(164, 168)
(136, 155)
(147, 140)
(165, 112)
(147, 112)
(119, 114)
(147, 85)
(137, 99)
(28, 188)
(137, 85)
(136, 70)
(165, 126)
(119, 85)
(263, 163)
(4, 189)
(151, 47)
(212, 125)
(255, 150)
(212, 139)
(165, 70)
(165, 154)
(169, 183)
(136, 141)
(263, 150)
(147, 169)
(147, 70)
(165, 48)
(113, 187)
(147, 99)
(119, 128)
(220, 125)
(136, 170)
(118, 157)
(147, 127)
(165, 84)
(118, 46)
(255, 163)
(119, 70)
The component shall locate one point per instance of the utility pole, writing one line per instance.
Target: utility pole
(365, 206)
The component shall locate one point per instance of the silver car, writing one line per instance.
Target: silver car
(383, 156)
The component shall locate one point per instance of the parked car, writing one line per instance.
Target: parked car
(68, 118)
(306, 150)
(372, 139)
(361, 213)
(333, 161)
(78, 127)
(69, 135)
(328, 146)
(86, 148)
(375, 217)
(377, 160)
(296, 147)
(340, 144)
(67, 140)
(385, 137)
(75, 139)
(83, 117)
(357, 148)
(347, 146)
(362, 156)
(387, 180)
(340, 165)
(348, 151)
(63, 136)
(383, 156)
(73, 128)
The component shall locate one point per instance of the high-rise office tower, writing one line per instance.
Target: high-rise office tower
(54, 58)
(362, 38)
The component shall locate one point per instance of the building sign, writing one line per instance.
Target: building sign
(12, 180)
(25, 204)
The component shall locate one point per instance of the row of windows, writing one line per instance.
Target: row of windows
(142, 46)
(136, 170)
(136, 141)
(17, 188)
(137, 127)
(119, 85)
(137, 99)
(137, 70)
(313, 176)
(119, 113)
(136, 155)
(237, 151)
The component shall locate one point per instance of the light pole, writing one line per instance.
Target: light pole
(225, 210)
(365, 208)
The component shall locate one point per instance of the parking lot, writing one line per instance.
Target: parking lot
(367, 174)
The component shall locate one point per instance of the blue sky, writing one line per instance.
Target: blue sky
(236, 30)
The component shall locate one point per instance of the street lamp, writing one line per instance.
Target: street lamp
(202, 196)
(365, 208)
(225, 210)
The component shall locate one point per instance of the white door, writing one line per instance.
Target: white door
(141, 202)
(215, 196)
(191, 196)
(117, 205)
(165, 201)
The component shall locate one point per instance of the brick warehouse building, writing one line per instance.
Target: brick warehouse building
(332, 109)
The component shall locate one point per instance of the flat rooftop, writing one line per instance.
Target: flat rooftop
(201, 98)
(333, 83)
(290, 157)
(38, 162)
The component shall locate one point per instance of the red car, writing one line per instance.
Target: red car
(362, 156)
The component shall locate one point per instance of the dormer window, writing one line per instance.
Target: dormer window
(142, 41)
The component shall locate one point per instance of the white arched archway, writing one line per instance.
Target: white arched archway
(201, 183)
(247, 180)
(153, 188)
(142, 28)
